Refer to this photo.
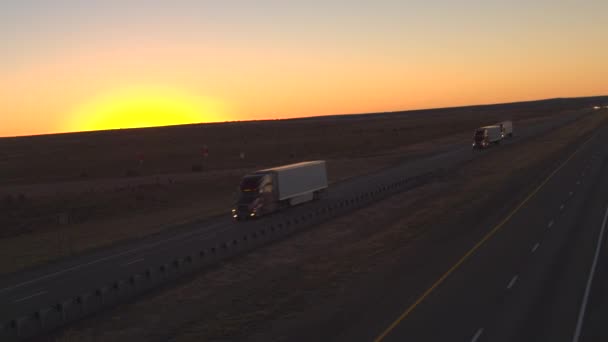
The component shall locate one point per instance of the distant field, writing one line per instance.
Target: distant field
(65, 194)
(307, 282)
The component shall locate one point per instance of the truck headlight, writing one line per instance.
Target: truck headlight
(233, 211)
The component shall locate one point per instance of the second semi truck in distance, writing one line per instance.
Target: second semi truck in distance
(266, 191)
(486, 136)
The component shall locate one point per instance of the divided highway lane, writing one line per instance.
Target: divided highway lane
(591, 323)
(526, 279)
(24, 293)
(549, 302)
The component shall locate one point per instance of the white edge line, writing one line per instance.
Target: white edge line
(512, 282)
(132, 262)
(477, 335)
(581, 314)
(535, 247)
(30, 296)
(50, 275)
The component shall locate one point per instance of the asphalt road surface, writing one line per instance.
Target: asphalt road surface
(25, 292)
(537, 273)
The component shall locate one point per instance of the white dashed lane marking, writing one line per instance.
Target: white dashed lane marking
(477, 335)
(40, 293)
(535, 247)
(512, 282)
(133, 262)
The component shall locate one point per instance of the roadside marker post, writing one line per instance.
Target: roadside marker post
(205, 153)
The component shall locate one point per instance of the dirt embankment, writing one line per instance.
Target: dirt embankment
(256, 294)
(70, 194)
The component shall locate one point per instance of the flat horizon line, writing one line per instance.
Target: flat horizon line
(315, 116)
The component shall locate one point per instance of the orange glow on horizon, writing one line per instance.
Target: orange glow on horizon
(99, 66)
(144, 106)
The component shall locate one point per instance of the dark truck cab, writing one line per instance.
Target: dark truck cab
(479, 138)
(256, 196)
(486, 136)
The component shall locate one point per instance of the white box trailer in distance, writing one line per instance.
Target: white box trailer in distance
(506, 128)
(266, 191)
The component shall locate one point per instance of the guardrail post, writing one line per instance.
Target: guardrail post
(20, 323)
(8, 332)
(83, 300)
(135, 281)
(120, 288)
(102, 293)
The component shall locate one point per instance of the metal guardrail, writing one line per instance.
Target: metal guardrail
(107, 295)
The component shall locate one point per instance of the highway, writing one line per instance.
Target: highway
(26, 292)
(538, 272)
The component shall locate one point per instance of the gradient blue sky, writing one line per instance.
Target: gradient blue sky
(275, 59)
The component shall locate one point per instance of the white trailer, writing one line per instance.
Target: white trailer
(506, 128)
(298, 183)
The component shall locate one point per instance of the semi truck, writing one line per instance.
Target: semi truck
(486, 136)
(506, 127)
(266, 191)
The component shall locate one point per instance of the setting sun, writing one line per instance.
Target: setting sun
(144, 107)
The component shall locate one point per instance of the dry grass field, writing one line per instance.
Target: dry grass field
(65, 194)
(258, 295)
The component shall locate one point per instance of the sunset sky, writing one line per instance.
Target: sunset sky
(86, 65)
